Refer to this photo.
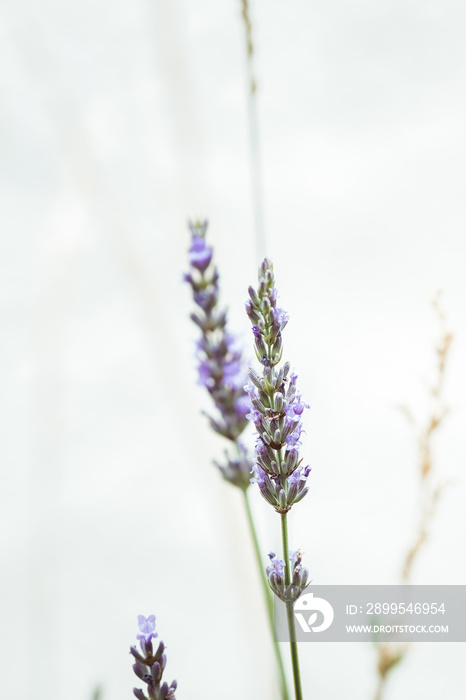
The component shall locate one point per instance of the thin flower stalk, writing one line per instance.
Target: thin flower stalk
(254, 142)
(276, 411)
(223, 373)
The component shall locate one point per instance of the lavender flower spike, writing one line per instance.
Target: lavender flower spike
(149, 666)
(276, 406)
(220, 364)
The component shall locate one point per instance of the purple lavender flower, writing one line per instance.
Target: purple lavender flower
(276, 406)
(293, 440)
(259, 475)
(149, 666)
(200, 254)
(147, 628)
(276, 577)
(277, 566)
(220, 365)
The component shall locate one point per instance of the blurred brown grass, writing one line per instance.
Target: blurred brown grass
(430, 490)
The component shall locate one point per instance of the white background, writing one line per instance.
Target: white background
(118, 122)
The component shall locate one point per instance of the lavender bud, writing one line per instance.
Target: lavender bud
(266, 306)
(136, 654)
(252, 313)
(156, 672)
(260, 349)
(278, 402)
(277, 349)
(198, 321)
(291, 460)
(159, 653)
(139, 669)
(282, 501)
(260, 402)
(146, 646)
(281, 376)
(299, 497)
(253, 295)
(255, 379)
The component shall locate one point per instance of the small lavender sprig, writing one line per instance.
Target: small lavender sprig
(276, 577)
(276, 410)
(220, 364)
(149, 666)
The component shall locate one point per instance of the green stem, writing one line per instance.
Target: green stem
(265, 586)
(268, 597)
(290, 614)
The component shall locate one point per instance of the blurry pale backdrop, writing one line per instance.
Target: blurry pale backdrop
(118, 122)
